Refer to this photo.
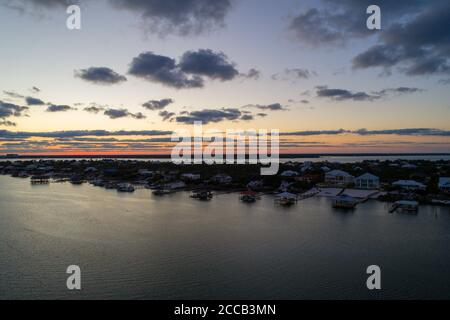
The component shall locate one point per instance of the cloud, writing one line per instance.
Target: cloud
(11, 110)
(405, 132)
(336, 22)
(35, 90)
(162, 69)
(314, 132)
(270, 107)
(59, 108)
(252, 74)
(399, 91)
(210, 115)
(191, 71)
(187, 17)
(7, 123)
(417, 46)
(293, 74)
(246, 117)
(100, 75)
(157, 104)
(205, 62)
(344, 95)
(166, 115)
(34, 101)
(81, 133)
(122, 113)
(94, 108)
(13, 94)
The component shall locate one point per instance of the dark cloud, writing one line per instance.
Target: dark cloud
(262, 114)
(246, 117)
(100, 75)
(94, 109)
(416, 46)
(252, 74)
(122, 113)
(344, 95)
(13, 94)
(293, 74)
(335, 22)
(157, 104)
(7, 123)
(270, 107)
(205, 62)
(185, 17)
(210, 115)
(192, 70)
(35, 89)
(80, 133)
(34, 101)
(304, 101)
(11, 110)
(51, 3)
(162, 69)
(166, 115)
(58, 108)
(406, 132)
(399, 91)
(314, 132)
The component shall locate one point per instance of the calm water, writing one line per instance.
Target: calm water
(138, 246)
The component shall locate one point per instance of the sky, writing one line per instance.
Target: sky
(138, 70)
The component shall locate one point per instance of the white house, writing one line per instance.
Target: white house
(367, 181)
(444, 184)
(409, 185)
(338, 178)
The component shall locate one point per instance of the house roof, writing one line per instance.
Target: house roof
(409, 183)
(368, 176)
(444, 181)
(338, 173)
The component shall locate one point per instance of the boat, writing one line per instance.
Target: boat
(345, 202)
(404, 206)
(248, 196)
(125, 187)
(98, 183)
(76, 180)
(161, 192)
(286, 199)
(202, 195)
(40, 180)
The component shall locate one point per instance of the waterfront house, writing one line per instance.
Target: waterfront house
(190, 176)
(325, 169)
(90, 170)
(222, 178)
(338, 178)
(367, 181)
(145, 173)
(255, 184)
(444, 184)
(409, 185)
